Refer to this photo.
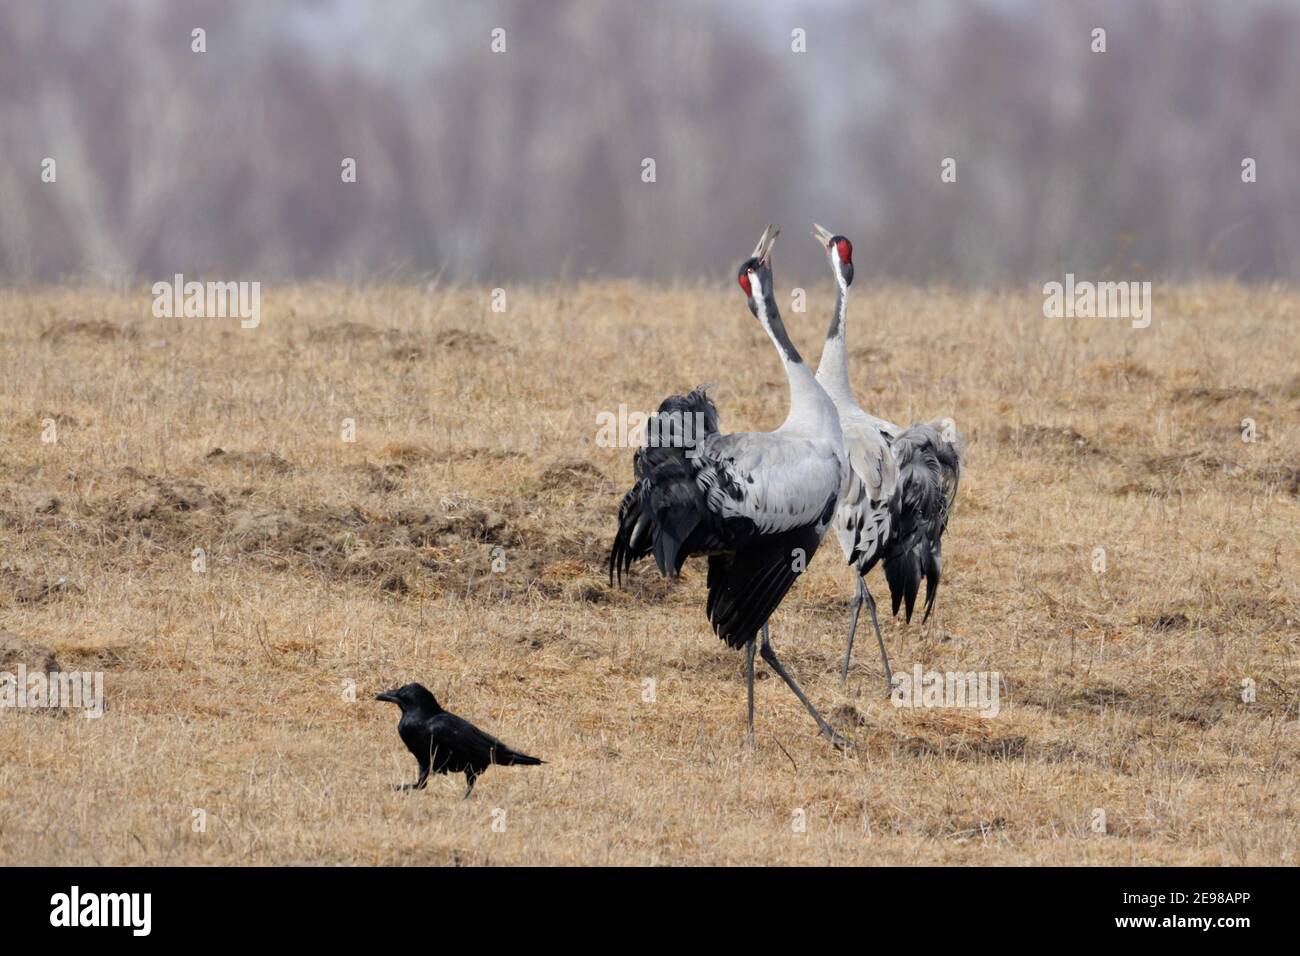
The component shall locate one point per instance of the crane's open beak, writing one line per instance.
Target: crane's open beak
(763, 251)
(823, 235)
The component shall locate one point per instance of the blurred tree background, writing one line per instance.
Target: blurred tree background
(527, 164)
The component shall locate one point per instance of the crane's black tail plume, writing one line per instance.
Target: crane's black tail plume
(930, 464)
(662, 508)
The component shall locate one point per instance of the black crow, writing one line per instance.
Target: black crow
(445, 743)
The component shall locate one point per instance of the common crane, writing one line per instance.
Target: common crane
(755, 503)
(896, 504)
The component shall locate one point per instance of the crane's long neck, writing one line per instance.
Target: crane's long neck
(833, 370)
(811, 409)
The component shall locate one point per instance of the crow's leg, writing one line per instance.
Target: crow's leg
(419, 784)
(750, 649)
(884, 658)
(769, 655)
(470, 778)
(853, 629)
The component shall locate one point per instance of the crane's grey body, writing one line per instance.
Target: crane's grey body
(776, 480)
(896, 504)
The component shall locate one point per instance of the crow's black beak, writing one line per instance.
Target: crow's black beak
(388, 695)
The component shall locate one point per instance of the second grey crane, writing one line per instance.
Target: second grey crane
(896, 504)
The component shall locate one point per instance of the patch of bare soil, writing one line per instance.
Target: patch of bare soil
(348, 331)
(844, 717)
(407, 352)
(16, 650)
(1165, 621)
(408, 453)
(1213, 396)
(451, 545)
(573, 475)
(43, 503)
(95, 330)
(169, 511)
(19, 588)
(1280, 475)
(871, 355)
(1142, 489)
(459, 517)
(1173, 468)
(978, 749)
(252, 460)
(384, 478)
(1181, 470)
(1059, 437)
(1204, 708)
(466, 340)
(1122, 371)
(163, 495)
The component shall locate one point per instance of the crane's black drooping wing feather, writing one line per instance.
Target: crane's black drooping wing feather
(747, 586)
(929, 472)
(664, 486)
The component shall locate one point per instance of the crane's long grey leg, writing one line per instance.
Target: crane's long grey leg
(853, 629)
(749, 667)
(871, 606)
(769, 655)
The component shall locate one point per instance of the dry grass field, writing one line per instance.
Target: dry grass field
(371, 561)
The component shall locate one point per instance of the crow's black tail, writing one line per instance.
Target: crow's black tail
(513, 758)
